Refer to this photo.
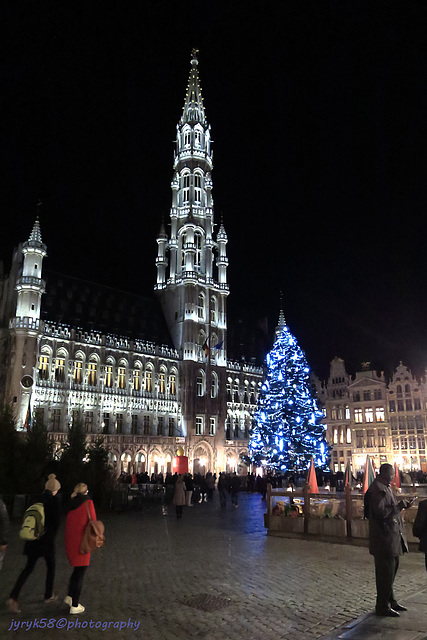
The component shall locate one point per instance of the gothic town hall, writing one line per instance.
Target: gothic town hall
(152, 375)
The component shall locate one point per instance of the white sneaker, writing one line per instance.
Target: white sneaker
(79, 609)
(68, 600)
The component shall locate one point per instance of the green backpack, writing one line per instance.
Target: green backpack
(33, 523)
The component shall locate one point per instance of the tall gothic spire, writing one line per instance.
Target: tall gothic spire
(194, 110)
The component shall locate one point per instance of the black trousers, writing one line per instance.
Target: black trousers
(75, 584)
(29, 568)
(385, 573)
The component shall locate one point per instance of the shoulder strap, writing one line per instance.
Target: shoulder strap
(88, 512)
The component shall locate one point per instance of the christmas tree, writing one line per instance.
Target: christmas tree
(286, 431)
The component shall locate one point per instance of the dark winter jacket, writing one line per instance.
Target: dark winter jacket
(45, 545)
(419, 528)
(386, 532)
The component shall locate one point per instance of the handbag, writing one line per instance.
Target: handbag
(93, 536)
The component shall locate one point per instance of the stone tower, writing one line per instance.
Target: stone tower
(192, 271)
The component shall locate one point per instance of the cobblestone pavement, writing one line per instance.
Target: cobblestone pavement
(213, 575)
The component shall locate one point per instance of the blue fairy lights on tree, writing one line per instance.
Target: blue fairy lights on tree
(287, 430)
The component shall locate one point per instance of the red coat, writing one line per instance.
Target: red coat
(75, 526)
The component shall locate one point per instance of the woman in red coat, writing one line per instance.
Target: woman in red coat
(77, 519)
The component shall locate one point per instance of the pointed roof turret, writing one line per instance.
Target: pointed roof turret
(36, 234)
(194, 110)
(282, 322)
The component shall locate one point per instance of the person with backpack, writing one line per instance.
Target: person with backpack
(40, 541)
(81, 510)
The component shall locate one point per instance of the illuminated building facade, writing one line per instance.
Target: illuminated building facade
(367, 415)
(163, 386)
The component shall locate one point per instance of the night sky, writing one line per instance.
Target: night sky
(318, 114)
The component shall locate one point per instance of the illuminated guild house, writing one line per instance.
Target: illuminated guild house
(150, 374)
(367, 415)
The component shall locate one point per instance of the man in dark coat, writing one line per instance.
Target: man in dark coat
(387, 539)
(419, 528)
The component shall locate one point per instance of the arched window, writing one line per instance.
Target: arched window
(92, 370)
(60, 361)
(172, 383)
(187, 138)
(148, 379)
(201, 307)
(197, 188)
(137, 377)
(200, 383)
(44, 363)
(108, 375)
(185, 188)
(214, 385)
(78, 368)
(214, 310)
(162, 380)
(407, 389)
(198, 246)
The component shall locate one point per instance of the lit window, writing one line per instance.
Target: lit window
(347, 413)
(212, 426)
(148, 381)
(172, 384)
(44, 367)
(369, 415)
(335, 436)
(358, 415)
(121, 377)
(91, 374)
(162, 382)
(348, 438)
(108, 380)
(379, 414)
(136, 379)
(77, 372)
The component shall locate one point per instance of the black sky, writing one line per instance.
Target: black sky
(318, 114)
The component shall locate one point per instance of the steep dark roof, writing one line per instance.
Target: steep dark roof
(90, 306)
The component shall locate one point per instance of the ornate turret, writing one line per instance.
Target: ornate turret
(30, 286)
